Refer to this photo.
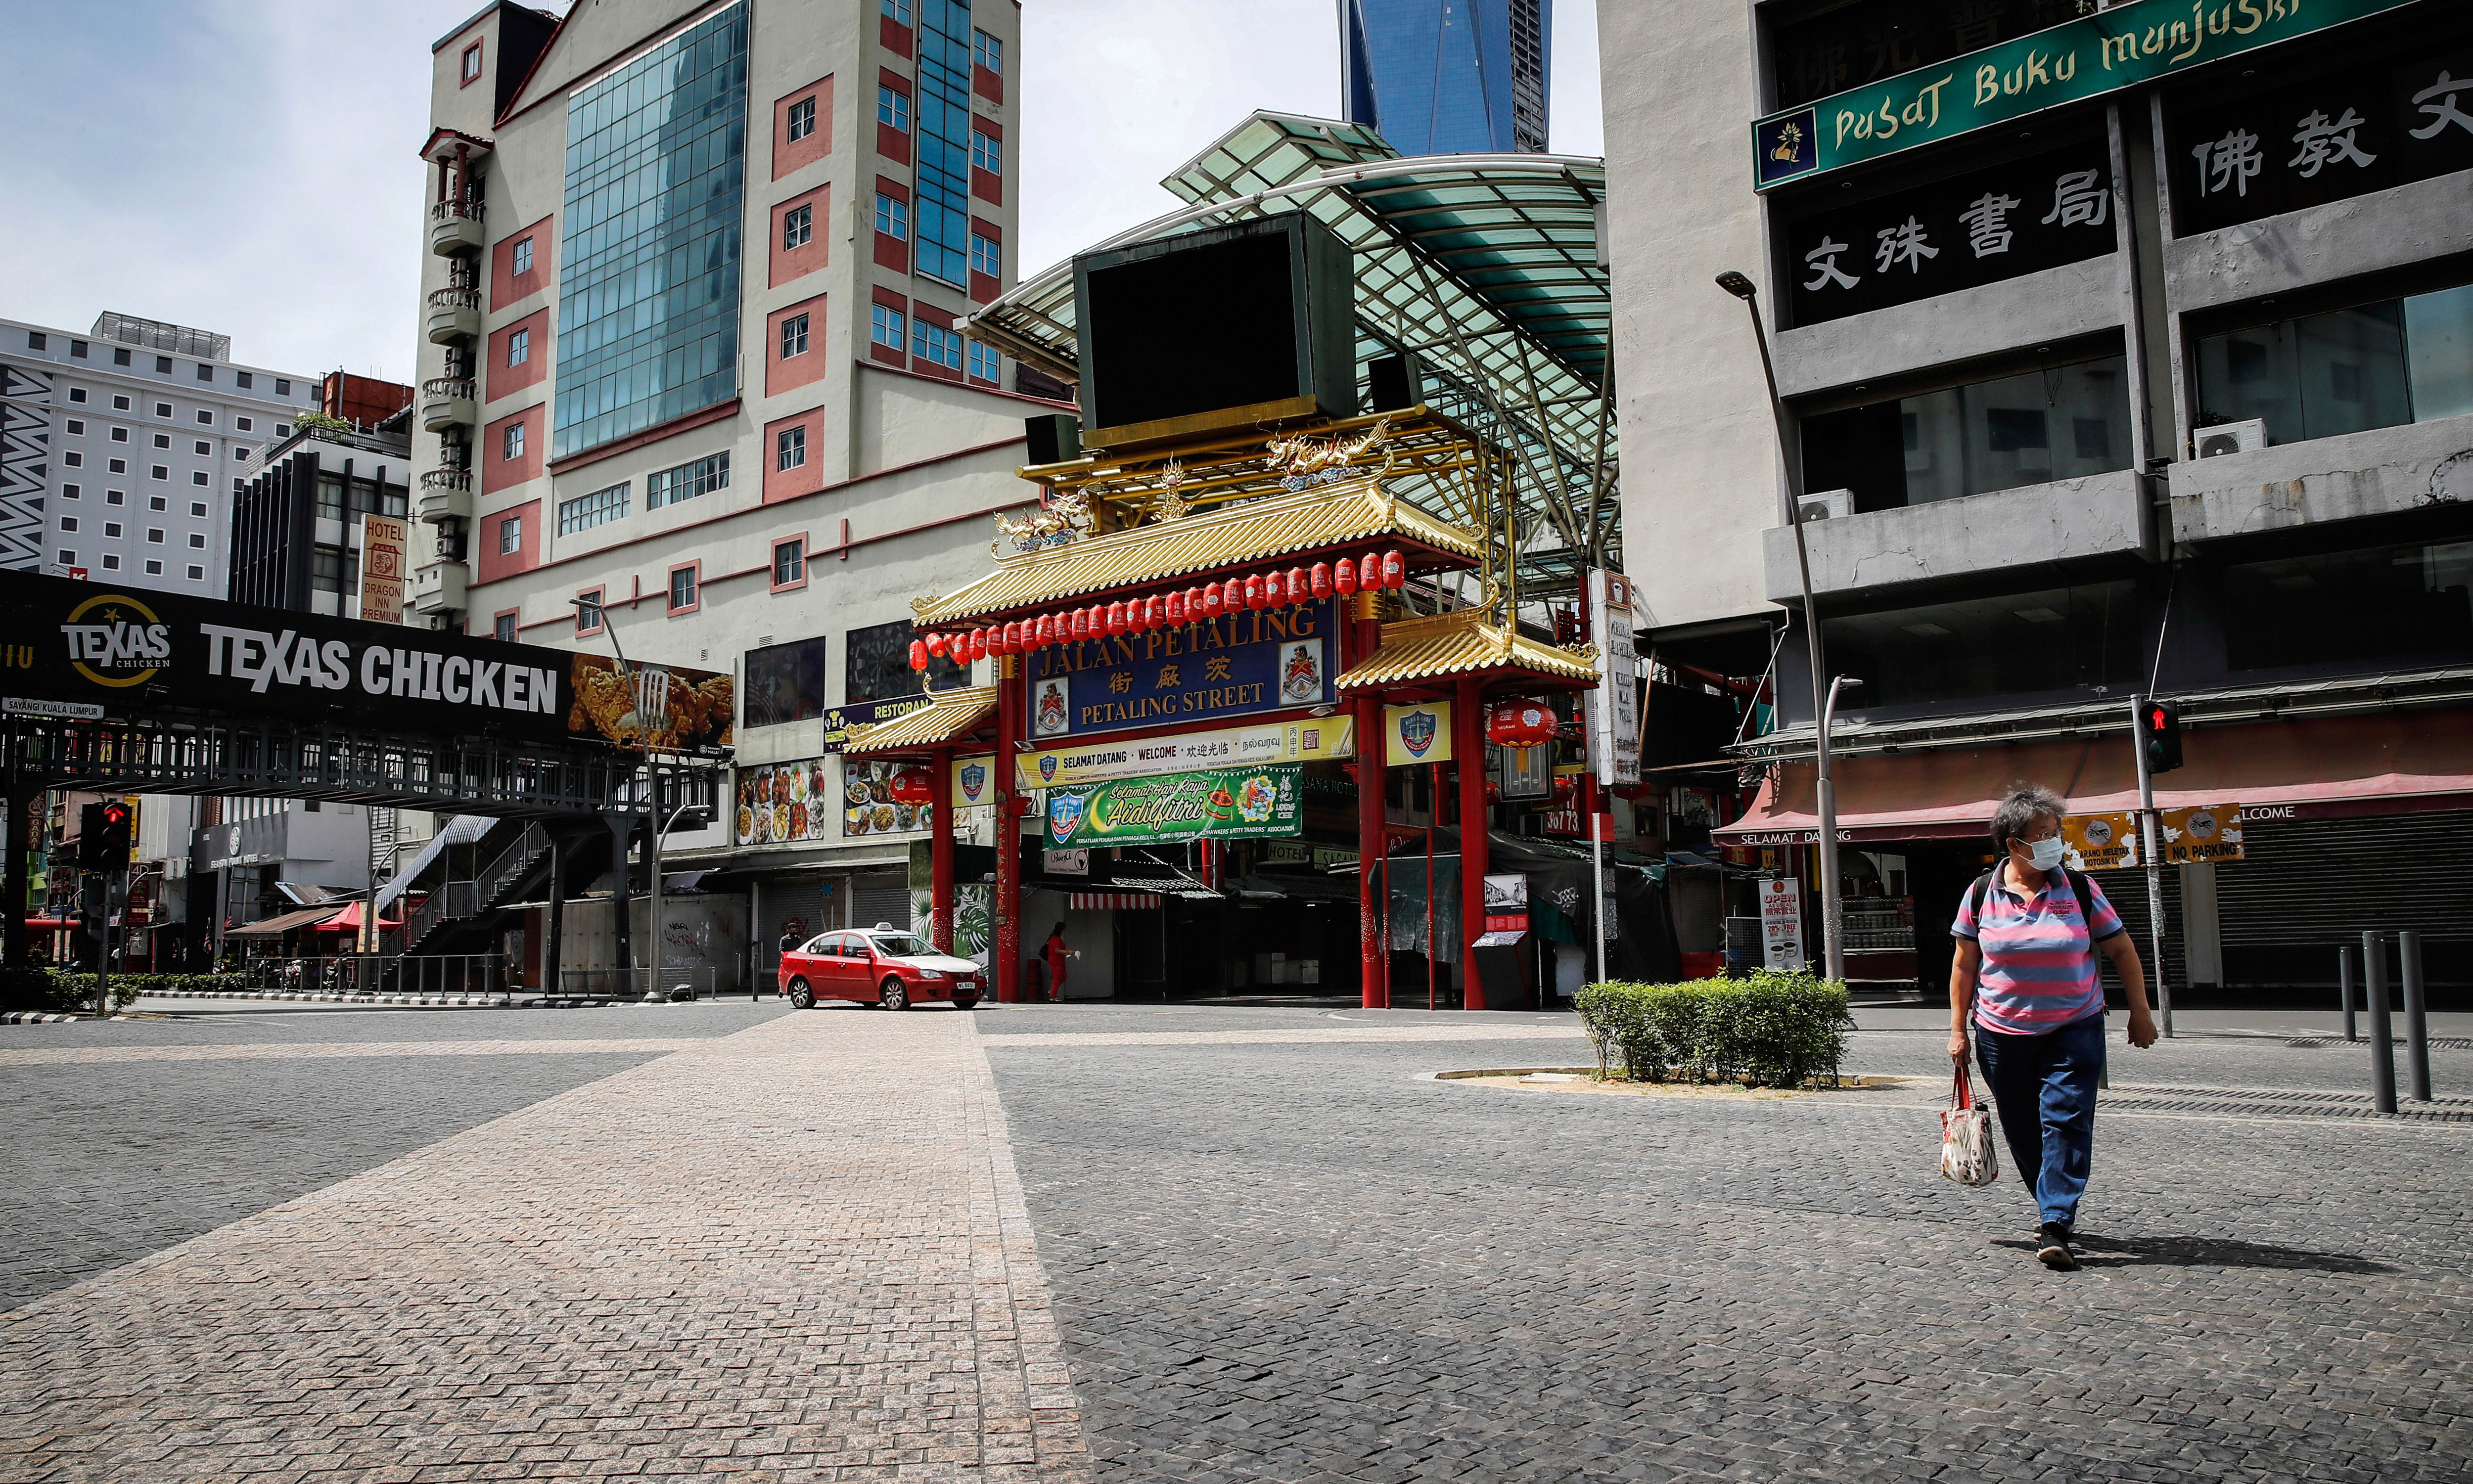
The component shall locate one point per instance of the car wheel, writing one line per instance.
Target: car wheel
(893, 995)
(801, 996)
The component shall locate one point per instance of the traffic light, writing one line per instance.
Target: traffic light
(2159, 725)
(103, 836)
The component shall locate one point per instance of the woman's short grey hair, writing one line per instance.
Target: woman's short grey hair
(2018, 813)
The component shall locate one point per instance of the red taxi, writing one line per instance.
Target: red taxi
(879, 966)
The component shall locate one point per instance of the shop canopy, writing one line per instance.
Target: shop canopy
(348, 920)
(288, 922)
(1486, 267)
(2315, 768)
(1445, 646)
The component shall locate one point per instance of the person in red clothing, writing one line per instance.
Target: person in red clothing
(1055, 952)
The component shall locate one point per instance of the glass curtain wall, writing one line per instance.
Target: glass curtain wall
(648, 277)
(943, 228)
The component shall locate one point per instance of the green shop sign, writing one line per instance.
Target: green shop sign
(2122, 47)
(1214, 802)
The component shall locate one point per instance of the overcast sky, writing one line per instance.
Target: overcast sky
(247, 166)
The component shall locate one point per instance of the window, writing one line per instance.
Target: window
(936, 344)
(283, 385)
(587, 510)
(887, 326)
(159, 471)
(199, 478)
(154, 536)
(76, 427)
(283, 430)
(2377, 603)
(510, 535)
(798, 225)
(157, 503)
(472, 63)
(206, 417)
(111, 528)
(790, 560)
(893, 107)
(2375, 365)
(205, 372)
(117, 466)
(243, 425)
(68, 558)
(985, 256)
(116, 497)
(110, 562)
(334, 570)
(519, 348)
(794, 336)
(73, 459)
(163, 365)
(899, 10)
(77, 394)
(37, 339)
(878, 665)
(163, 440)
(523, 257)
(2064, 423)
(987, 154)
(245, 379)
(154, 568)
(120, 435)
(802, 119)
(511, 442)
(203, 446)
(892, 217)
(2064, 638)
(120, 404)
(790, 449)
(985, 363)
(163, 408)
(987, 50)
(78, 349)
(198, 507)
(69, 524)
(688, 481)
(785, 683)
(70, 491)
(588, 612)
(197, 541)
(197, 574)
(683, 590)
(503, 628)
(120, 356)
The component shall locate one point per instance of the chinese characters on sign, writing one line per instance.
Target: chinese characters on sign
(1265, 660)
(1782, 924)
(1995, 223)
(2303, 144)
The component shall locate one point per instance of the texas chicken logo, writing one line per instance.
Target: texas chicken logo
(1064, 815)
(1417, 733)
(112, 649)
(975, 779)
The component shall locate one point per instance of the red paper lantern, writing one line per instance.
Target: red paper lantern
(936, 645)
(1343, 577)
(1118, 623)
(1255, 597)
(979, 644)
(1174, 607)
(1521, 724)
(1318, 580)
(1154, 612)
(1300, 588)
(1369, 573)
(1211, 603)
(919, 654)
(1040, 630)
(912, 785)
(1013, 638)
(1232, 596)
(1081, 623)
(1098, 620)
(1395, 569)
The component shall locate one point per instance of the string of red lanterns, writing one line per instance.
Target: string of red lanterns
(1374, 572)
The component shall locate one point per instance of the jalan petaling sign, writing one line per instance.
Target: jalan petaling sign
(2122, 47)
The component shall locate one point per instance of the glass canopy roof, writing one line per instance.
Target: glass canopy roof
(1484, 266)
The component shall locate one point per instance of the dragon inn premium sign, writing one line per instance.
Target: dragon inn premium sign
(2121, 47)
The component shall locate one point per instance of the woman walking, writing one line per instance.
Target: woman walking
(2026, 978)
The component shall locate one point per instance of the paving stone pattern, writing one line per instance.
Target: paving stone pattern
(796, 1252)
(1275, 1260)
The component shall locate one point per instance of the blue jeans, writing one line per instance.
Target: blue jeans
(2044, 1086)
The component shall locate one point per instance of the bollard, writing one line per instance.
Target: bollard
(2374, 980)
(2344, 974)
(2417, 1024)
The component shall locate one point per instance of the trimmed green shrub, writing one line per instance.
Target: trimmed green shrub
(59, 991)
(1768, 1029)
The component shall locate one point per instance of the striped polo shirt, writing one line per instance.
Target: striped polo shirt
(2039, 969)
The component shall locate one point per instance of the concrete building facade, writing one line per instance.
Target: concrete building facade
(2114, 369)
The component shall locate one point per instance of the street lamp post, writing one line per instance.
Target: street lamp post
(1823, 691)
(654, 906)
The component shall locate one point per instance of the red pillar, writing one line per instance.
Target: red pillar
(1373, 758)
(1468, 755)
(1006, 910)
(940, 851)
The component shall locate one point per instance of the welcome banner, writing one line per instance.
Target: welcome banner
(1212, 803)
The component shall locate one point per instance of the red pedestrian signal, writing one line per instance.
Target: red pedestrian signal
(2160, 733)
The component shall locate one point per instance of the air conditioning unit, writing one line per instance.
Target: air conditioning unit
(1829, 505)
(2232, 437)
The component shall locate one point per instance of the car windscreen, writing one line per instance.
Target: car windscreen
(899, 944)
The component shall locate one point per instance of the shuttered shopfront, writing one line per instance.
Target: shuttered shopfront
(2307, 886)
(778, 900)
(880, 897)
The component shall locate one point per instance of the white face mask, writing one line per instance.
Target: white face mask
(2045, 854)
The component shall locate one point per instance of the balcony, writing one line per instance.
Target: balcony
(454, 314)
(446, 402)
(2086, 522)
(438, 589)
(455, 227)
(2350, 476)
(445, 495)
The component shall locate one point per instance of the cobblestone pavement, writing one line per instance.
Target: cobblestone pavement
(796, 1250)
(1282, 1257)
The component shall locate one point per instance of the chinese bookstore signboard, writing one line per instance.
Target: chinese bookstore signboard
(1262, 659)
(2121, 47)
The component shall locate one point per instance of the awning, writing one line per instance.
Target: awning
(1461, 643)
(954, 714)
(1110, 901)
(348, 920)
(288, 922)
(2323, 768)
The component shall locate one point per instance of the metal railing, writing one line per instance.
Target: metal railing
(429, 975)
(458, 480)
(455, 206)
(511, 864)
(453, 900)
(454, 298)
(437, 387)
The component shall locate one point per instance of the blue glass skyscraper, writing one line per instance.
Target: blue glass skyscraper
(1448, 77)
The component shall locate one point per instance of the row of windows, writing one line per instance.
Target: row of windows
(206, 418)
(665, 487)
(76, 460)
(112, 564)
(79, 349)
(786, 682)
(111, 531)
(932, 343)
(77, 429)
(587, 510)
(196, 508)
(986, 50)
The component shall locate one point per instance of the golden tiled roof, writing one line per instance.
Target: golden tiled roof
(1308, 521)
(1461, 643)
(953, 714)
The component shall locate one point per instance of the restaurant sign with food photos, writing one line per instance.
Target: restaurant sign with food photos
(779, 804)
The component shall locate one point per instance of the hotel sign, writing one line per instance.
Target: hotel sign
(2141, 42)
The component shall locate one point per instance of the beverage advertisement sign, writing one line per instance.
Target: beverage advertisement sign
(1314, 740)
(1782, 924)
(1214, 802)
(1262, 659)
